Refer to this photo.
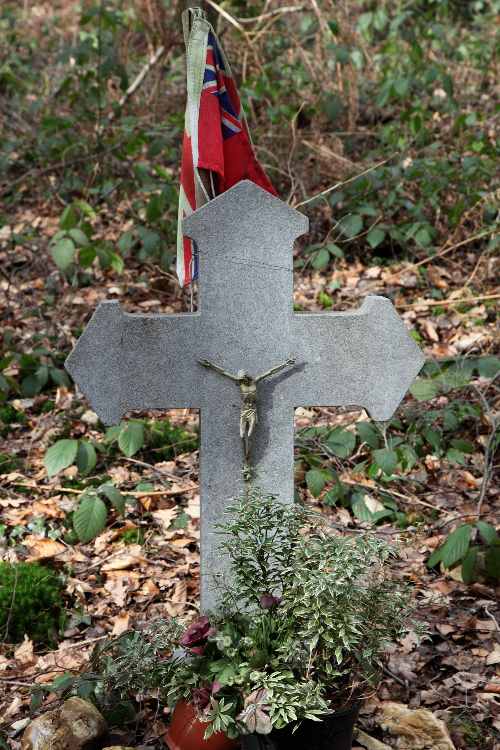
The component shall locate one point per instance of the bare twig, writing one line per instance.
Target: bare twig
(138, 80)
(344, 182)
(70, 490)
(273, 14)
(443, 302)
(444, 251)
(231, 19)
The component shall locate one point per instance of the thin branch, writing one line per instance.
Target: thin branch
(273, 13)
(231, 19)
(344, 182)
(138, 81)
(444, 251)
(70, 490)
(439, 303)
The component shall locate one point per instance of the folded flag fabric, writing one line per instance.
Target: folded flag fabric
(216, 136)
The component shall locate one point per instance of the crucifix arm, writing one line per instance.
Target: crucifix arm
(216, 368)
(275, 370)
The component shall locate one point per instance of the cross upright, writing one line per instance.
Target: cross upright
(245, 237)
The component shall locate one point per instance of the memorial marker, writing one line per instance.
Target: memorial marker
(246, 322)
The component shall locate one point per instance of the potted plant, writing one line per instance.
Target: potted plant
(305, 617)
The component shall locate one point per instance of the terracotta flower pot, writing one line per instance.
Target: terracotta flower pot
(186, 732)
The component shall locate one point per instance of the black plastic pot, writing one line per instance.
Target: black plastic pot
(333, 733)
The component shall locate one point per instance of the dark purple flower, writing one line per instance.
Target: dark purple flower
(196, 635)
(267, 601)
(198, 650)
(201, 698)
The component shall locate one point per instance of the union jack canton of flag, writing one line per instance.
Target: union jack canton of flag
(216, 136)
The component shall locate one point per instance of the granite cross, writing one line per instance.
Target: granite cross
(246, 321)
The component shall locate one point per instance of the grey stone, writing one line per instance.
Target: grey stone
(76, 725)
(245, 237)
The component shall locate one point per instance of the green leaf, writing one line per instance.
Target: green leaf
(469, 565)
(114, 496)
(368, 434)
(351, 225)
(321, 259)
(69, 218)
(341, 442)
(86, 256)
(488, 366)
(361, 511)
(424, 389)
(335, 250)
(386, 459)
(33, 384)
(456, 546)
(79, 237)
(126, 241)
(60, 455)
(492, 562)
(155, 208)
(63, 253)
(423, 237)
(86, 457)
(435, 558)
(488, 532)
(59, 377)
(463, 445)
(375, 236)
(455, 456)
(89, 519)
(315, 481)
(131, 438)
(116, 262)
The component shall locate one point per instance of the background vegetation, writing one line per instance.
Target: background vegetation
(377, 119)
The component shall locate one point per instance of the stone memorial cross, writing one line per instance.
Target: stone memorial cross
(245, 236)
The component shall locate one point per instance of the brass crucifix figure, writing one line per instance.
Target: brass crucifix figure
(248, 392)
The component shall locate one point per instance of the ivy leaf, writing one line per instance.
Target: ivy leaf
(89, 519)
(341, 442)
(63, 253)
(456, 546)
(131, 438)
(315, 481)
(351, 225)
(386, 459)
(60, 455)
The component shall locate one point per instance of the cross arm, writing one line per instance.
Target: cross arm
(361, 358)
(125, 362)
